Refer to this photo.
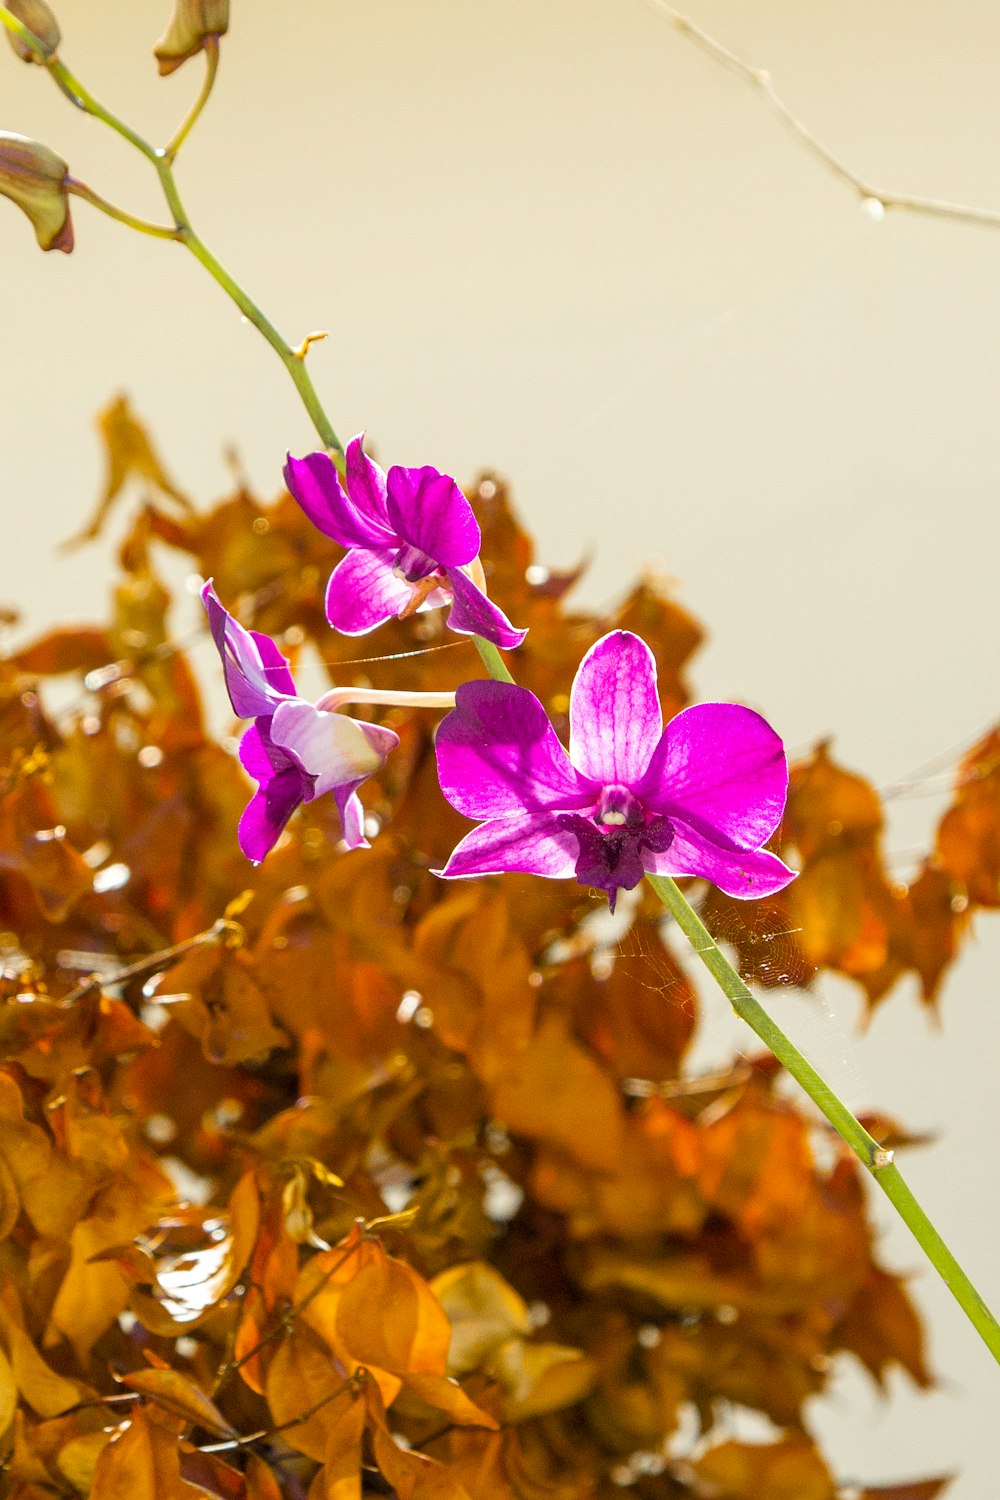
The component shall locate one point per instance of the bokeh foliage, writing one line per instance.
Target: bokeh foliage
(329, 1178)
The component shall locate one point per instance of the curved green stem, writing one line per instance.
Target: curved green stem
(84, 99)
(492, 660)
(184, 129)
(872, 1156)
(293, 363)
(159, 231)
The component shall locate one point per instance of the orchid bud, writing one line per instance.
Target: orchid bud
(34, 178)
(40, 21)
(191, 25)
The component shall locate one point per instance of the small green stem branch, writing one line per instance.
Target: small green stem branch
(492, 660)
(159, 231)
(872, 1156)
(189, 121)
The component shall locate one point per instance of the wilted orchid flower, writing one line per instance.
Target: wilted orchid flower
(294, 750)
(193, 25)
(698, 797)
(35, 178)
(413, 544)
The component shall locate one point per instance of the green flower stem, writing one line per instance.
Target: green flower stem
(492, 660)
(81, 190)
(184, 129)
(871, 1155)
(293, 362)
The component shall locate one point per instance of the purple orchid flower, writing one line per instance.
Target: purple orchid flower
(413, 544)
(698, 797)
(294, 750)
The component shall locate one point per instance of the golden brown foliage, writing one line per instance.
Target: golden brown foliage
(327, 1178)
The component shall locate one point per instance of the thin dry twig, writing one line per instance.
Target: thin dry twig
(878, 200)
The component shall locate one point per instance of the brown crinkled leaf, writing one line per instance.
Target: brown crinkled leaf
(46, 1392)
(92, 1292)
(301, 1373)
(968, 836)
(53, 1191)
(557, 1092)
(78, 649)
(228, 1011)
(340, 1476)
(33, 845)
(142, 1463)
(388, 1317)
(789, 1470)
(412, 1475)
(539, 1377)
(129, 454)
(483, 1311)
(191, 1283)
(179, 1394)
(917, 1489)
(882, 1328)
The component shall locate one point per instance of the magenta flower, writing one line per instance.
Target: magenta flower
(294, 750)
(698, 797)
(413, 544)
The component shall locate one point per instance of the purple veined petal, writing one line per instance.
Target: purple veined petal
(366, 486)
(355, 518)
(254, 755)
(497, 754)
(533, 844)
(614, 712)
(331, 748)
(473, 614)
(428, 510)
(267, 812)
(745, 873)
(722, 768)
(363, 592)
(255, 675)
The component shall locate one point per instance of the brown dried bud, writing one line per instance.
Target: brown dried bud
(40, 21)
(191, 25)
(34, 178)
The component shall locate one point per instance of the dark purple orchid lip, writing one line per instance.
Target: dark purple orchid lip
(413, 566)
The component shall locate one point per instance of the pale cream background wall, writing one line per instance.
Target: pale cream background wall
(550, 236)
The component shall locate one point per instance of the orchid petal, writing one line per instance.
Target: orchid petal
(331, 748)
(428, 510)
(366, 486)
(354, 519)
(498, 754)
(256, 754)
(473, 614)
(745, 873)
(532, 845)
(267, 812)
(254, 674)
(363, 592)
(614, 712)
(352, 815)
(277, 671)
(721, 767)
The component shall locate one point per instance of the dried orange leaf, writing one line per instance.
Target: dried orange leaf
(179, 1394)
(483, 1309)
(789, 1470)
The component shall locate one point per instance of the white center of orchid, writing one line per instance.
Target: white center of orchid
(617, 819)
